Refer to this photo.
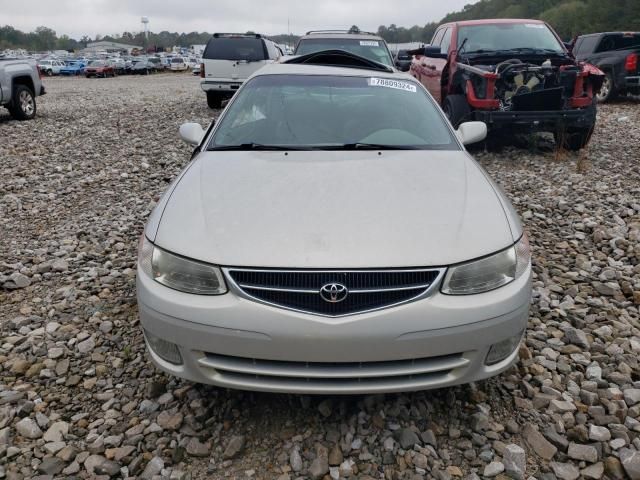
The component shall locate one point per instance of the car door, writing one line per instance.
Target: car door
(435, 66)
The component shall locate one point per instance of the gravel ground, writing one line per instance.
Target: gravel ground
(79, 398)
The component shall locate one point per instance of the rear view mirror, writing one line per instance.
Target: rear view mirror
(472, 132)
(191, 133)
(433, 52)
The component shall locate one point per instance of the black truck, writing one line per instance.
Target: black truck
(616, 54)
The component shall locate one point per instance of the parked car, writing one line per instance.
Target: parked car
(157, 64)
(142, 66)
(402, 60)
(50, 67)
(99, 68)
(616, 54)
(265, 267)
(368, 45)
(178, 64)
(20, 84)
(229, 59)
(197, 69)
(510, 74)
(73, 67)
(119, 65)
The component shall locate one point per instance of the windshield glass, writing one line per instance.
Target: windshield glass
(235, 48)
(332, 112)
(506, 36)
(375, 50)
(97, 63)
(176, 60)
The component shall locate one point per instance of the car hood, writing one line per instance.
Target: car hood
(334, 209)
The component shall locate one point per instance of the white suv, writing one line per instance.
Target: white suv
(230, 59)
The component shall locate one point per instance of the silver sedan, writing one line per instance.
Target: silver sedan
(332, 235)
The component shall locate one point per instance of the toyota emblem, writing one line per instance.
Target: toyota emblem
(334, 292)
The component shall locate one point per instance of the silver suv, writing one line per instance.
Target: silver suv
(364, 44)
(229, 59)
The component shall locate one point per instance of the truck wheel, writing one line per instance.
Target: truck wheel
(214, 100)
(49, 73)
(607, 90)
(23, 103)
(573, 139)
(457, 109)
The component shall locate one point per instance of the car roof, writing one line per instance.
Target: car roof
(490, 21)
(344, 35)
(310, 69)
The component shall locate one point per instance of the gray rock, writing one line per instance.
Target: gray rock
(56, 432)
(92, 461)
(493, 469)
(632, 396)
(108, 467)
(588, 453)
(538, 443)
(169, 421)
(565, 471)
(18, 280)
(593, 472)
(630, 460)
(197, 449)
(87, 345)
(577, 337)
(154, 467)
(295, 460)
(325, 408)
(515, 461)
(234, 447)
(28, 428)
(599, 434)
(406, 437)
(319, 467)
(51, 466)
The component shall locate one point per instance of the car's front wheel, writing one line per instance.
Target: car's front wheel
(214, 100)
(457, 109)
(23, 103)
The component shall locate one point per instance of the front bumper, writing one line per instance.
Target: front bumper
(538, 120)
(234, 342)
(220, 85)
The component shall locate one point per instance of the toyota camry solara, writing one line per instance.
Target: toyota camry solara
(332, 235)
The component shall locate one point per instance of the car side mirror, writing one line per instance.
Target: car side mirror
(433, 52)
(471, 132)
(191, 133)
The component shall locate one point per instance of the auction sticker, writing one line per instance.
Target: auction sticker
(385, 82)
(369, 43)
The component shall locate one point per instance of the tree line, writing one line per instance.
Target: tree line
(568, 18)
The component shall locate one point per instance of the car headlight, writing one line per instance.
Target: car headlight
(180, 273)
(490, 272)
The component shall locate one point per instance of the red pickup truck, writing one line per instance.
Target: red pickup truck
(512, 74)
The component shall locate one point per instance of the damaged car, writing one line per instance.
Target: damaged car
(513, 75)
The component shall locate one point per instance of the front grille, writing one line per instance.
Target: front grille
(366, 290)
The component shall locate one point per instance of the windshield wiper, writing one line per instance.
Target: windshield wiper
(375, 146)
(256, 146)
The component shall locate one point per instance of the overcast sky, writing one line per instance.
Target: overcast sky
(90, 17)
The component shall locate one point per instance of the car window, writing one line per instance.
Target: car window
(235, 48)
(272, 50)
(501, 36)
(446, 41)
(319, 111)
(619, 41)
(437, 38)
(586, 45)
(372, 49)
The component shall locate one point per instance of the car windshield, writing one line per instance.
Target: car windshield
(333, 113)
(97, 63)
(508, 36)
(375, 50)
(176, 60)
(235, 48)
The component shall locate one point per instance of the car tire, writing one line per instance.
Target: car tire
(23, 103)
(607, 90)
(457, 109)
(49, 73)
(573, 139)
(214, 100)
